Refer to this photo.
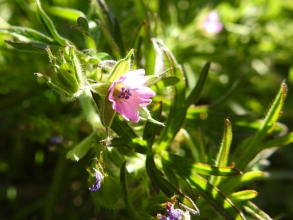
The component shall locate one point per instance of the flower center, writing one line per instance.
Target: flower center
(124, 93)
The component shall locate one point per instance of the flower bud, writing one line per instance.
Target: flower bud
(68, 79)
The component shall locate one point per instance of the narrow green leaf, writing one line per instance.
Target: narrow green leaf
(123, 181)
(256, 212)
(230, 185)
(118, 36)
(159, 182)
(278, 141)
(195, 93)
(139, 36)
(141, 10)
(150, 130)
(83, 147)
(219, 201)
(245, 153)
(222, 157)
(115, 49)
(48, 24)
(27, 33)
(67, 13)
(102, 10)
(28, 47)
(243, 195)
(181, 163)
(168, 171)
(177, 111)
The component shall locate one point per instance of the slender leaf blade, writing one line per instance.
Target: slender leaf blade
(48, 24)
(195, 93)
(217, 199)
(27, 33)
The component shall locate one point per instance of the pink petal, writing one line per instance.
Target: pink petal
(127, 109)
(137, 101)
(143, 92)
(135, 79)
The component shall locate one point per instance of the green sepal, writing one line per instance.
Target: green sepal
(107, 112)
(144, 114)
(100, 88)
(68, 80)
(66, 77)
(122, 67)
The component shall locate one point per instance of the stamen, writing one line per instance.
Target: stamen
(124, 93)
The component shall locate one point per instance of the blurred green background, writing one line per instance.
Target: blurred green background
(37, 127)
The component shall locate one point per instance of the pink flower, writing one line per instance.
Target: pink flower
(212, 23)
(129, 92)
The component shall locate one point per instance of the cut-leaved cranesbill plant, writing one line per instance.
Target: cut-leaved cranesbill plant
(149, 147)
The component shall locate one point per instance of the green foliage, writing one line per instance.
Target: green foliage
(179, 152)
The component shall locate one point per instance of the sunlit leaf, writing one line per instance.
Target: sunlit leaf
(194, 95)
(223, 154)
(67, 13)
(29, 34)
(218, 200)
(256, 212)
(48, 24)
(29, 47)
(245, 153)
(181, 163)
(243, 195)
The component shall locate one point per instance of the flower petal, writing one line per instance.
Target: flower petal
(127, 109)
(143, 92)
(135, 79)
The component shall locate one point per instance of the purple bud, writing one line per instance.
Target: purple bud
(99, 177)
(175, 214)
